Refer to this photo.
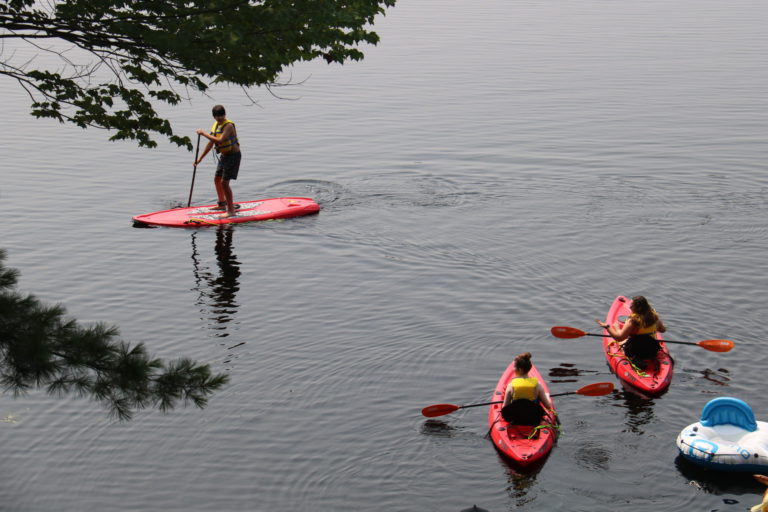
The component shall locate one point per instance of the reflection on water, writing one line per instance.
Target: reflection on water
(639, 409)
(719, 376)
(568, 370)
(592, 457)
(474, 508)
(217, 290)
(718, 482)
(438, 428)
(521, 480)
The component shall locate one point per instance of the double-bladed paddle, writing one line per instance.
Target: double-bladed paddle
(561, 331)
(596, 389)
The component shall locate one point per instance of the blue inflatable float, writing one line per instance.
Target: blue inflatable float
(726, 438)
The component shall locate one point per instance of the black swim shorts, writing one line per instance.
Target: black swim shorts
(229, 165)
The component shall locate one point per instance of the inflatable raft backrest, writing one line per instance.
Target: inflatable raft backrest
(728, 411)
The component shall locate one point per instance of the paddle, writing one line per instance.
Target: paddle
(595, 389)
(561, 331)
(194, 172)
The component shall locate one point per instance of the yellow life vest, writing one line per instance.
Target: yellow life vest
(229, 144)
(524, 387)
(649, 329)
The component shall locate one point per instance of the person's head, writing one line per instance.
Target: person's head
(523, 362)
(219, 112)
(640, 305)
(643, 310)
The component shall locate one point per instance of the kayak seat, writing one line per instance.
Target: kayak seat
(728, 411)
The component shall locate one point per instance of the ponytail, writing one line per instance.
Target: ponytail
(523, 362)
(643, 312)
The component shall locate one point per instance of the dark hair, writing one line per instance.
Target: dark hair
(218, 110)
(643, 311)
(523, 362)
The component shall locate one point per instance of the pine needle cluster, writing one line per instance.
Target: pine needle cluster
(41, 348)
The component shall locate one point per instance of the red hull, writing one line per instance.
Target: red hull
(512, 440)
(250, 211)
(655, 377)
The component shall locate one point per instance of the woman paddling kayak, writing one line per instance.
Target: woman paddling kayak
(639, 331)
(524, 396)
(529, 442)
(651, 376)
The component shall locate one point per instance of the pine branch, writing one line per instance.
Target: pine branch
(40, 348)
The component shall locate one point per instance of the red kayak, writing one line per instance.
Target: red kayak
(248, 211)
(652, 379)
(523, 444)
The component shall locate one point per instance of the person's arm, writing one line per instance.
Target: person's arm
(544, 398)
(507, 396)
(619, 334)
(227, 132)
(660, 327)
(205, 152)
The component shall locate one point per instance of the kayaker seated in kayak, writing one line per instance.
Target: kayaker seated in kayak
(524, 397)
(638, 333)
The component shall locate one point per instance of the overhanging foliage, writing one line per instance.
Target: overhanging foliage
(147, 51)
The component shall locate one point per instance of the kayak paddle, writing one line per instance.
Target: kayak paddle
(595, 389)
(561, 331)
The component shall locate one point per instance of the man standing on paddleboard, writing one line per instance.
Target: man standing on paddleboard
(223, 135)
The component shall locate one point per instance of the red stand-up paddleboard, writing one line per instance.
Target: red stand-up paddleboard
(523, 444)
(655, 376)
(249, 211)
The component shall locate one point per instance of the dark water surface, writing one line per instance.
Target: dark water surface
(491, 169)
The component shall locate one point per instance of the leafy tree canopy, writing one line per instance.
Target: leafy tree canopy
(141, 52)
(39, 347)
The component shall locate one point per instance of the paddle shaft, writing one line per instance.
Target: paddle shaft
(664, 341)
(596, 389)
(502, 401)
(194, 172)
(479, 405)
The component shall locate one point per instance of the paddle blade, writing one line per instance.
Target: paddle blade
(596, 389)
(561, 331)
(716, 345)
(432, 411)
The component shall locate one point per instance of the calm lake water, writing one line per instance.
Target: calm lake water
(490, 170)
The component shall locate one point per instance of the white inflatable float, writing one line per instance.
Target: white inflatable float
(726, 438)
